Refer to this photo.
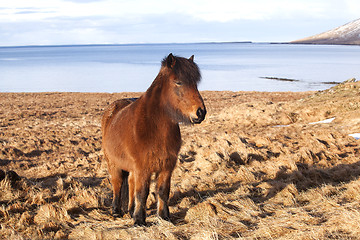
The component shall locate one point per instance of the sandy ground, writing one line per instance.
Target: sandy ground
(256, 168)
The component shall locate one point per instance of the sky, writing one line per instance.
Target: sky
(62, 22)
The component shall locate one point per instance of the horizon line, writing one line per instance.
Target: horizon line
(129, 44)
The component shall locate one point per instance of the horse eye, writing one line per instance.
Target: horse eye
(178, 83)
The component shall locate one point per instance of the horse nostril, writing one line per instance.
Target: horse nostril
(201, 113)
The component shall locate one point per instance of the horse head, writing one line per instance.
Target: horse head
(181, 94)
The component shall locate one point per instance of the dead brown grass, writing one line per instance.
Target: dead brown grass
(255, 169)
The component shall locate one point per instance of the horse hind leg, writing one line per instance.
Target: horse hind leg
(131, 194)
(118, 179)
(124, 191)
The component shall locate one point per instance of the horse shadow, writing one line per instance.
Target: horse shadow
(178, 217)
(4, 162)
(308, 177)
(305, 178)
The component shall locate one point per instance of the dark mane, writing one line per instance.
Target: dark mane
(186, 70)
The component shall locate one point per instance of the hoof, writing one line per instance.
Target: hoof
(164, 213)
(139, 218)
(117, 213)
(165, 218)
(139, 223)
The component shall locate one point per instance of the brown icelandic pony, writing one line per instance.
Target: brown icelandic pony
(141, 137)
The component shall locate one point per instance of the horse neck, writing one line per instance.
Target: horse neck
(154, 105)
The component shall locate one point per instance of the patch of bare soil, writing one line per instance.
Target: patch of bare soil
(258, 167)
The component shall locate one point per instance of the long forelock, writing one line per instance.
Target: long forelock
(185, 70)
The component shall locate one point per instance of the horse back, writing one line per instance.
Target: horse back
(114, 108)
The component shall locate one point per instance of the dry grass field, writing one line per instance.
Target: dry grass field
(258, 167)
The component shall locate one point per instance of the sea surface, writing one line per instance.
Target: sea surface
(132, 68)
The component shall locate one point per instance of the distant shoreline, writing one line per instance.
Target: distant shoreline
(159, 44)
(131, 44)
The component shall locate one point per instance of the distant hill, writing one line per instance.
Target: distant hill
(345, 34)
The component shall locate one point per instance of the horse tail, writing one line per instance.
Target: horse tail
(124, 191)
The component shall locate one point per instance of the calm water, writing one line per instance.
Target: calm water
(225, 66)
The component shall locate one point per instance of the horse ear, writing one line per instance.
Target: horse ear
(192, 58)
(170, 61)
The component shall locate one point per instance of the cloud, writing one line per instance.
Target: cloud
(231, 10)
(158, 28)
(83, 1)
(28, 22)
(206, 10)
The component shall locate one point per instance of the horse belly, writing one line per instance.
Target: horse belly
(116, 144)
(157, 164)
(119, 159)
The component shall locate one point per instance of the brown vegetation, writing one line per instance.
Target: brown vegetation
(254, 169)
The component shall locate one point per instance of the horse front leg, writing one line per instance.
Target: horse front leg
(163, 190)
(142, 185)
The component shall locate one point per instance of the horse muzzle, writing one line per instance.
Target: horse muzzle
(200, 113)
